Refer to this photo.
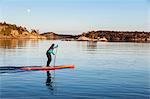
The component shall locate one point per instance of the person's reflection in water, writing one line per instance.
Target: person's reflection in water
(49, 81)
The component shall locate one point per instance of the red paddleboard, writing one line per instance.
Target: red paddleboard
(48, 68)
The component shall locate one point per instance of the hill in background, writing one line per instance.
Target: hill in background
(19, 32)
(14, 31)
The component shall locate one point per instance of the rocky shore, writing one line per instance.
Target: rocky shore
(118, 36)
(11, 31)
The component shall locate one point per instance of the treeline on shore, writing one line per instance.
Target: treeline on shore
(14, 31)
(119, 36)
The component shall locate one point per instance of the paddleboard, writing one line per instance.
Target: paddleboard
(48, 68)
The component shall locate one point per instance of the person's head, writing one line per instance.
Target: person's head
(52, 46)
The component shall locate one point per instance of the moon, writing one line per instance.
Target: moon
(28, 10)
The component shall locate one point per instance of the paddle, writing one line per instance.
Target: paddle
(55, 56)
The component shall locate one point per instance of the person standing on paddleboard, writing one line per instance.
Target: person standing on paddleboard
(50, 52)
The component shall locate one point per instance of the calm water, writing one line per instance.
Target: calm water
(103, 70)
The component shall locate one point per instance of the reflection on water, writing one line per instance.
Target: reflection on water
(17, 43)
(49, 81)
(12, 43)
(91, 45)
(120, 69)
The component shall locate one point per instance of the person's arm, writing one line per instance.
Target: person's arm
(56, 46)
(52, 52)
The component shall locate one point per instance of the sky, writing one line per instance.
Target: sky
(77, 16)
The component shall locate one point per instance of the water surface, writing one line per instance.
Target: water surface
(104, 70)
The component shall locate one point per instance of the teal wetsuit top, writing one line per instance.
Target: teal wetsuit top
(51, 51)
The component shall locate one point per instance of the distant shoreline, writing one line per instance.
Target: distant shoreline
(12, 31)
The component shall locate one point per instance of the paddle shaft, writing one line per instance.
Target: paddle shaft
(55, 57)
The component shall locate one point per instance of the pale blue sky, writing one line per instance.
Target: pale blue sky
(77, 16)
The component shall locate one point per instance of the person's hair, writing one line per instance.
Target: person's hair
(52, 46)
